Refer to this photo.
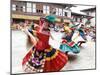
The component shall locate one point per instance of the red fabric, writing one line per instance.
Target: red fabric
(37, 28)
(64, 41)
(43, 42)
(52, 65)
(56, 64)
(71, 44)
(27, 57)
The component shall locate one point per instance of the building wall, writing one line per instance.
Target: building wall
(92, 13)
(33, 8)
(76, 18)
(32, 11)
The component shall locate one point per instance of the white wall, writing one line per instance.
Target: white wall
(93, 19)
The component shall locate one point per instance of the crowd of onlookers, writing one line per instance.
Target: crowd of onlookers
(15, 26)
(88, 31)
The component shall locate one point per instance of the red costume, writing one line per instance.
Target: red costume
(55, 60)
(43, 42)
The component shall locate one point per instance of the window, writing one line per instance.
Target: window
(29, 7)
(23, 8)
(63, 13)
(60, 12)
(14, 7)
(53, 11)
(41, 11)
(76, 19)
(46, 9)
(34, 8)
(37, 10)
(57, 11)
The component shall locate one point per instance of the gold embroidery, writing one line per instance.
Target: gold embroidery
(52, 57)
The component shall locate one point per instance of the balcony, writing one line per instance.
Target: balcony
(33, 14)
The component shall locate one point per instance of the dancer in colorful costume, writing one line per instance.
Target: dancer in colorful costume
(67, 44)
(42, 57)
(82, 34)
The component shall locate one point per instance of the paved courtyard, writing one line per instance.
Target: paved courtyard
(84, 60)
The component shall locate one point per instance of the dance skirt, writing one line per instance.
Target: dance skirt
(49, 60)
(66, 48)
